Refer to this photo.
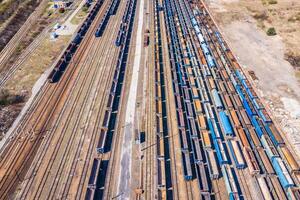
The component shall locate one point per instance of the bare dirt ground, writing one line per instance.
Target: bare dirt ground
(274, 59)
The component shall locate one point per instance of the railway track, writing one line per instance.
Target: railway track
(6, 75)
(66, 191)
(7, 51)
(47, 89)
(207, 135)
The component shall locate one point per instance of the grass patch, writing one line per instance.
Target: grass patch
(271, 31)
(79, 16)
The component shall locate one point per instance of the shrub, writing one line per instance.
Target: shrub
(271, 31)
(61, 10)
(272, 2)
(85, 8)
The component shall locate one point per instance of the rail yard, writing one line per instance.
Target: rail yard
(148, 102)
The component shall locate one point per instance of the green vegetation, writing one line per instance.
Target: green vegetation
(85, 9)
(272, 2)
(61, 10)
(7, 99)
(269, 2)
(271, 31)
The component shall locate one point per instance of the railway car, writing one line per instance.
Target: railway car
(274, 135)
(189, 110)
(110, 101)
(282, 172)
(194, 21)
(90, 193)
(243, 137)
(214, 130)
(206, 139)
(54, 76)
(193, 130)
(270, 150)
(210, 61)
(203, 182)
(184, 141)
(254, 137)
(230, 183)
(106, 118)
(264, 188)
(201, 38)
(290, 159)
(102, 141)
(197, 150)
(266, 162)
(197, 29)
(251, 161)
(278, 190)
(187, 170)
(220, 40)
(265, 116)
(205, 49)
(195, 93)
(225, 124)
(245, 117)
(293, 193)
(94, 173)
(114, 6)
(198, 106)
(236, 154)
(221, 153)
(180, 118)
(235, 119)
(222, 86)
(231, 88)
(257, 127)
(228, 101)
(240, 75)
(208, 111)
(216, 99)
(257, 104)
(212, 165)
(201, 121)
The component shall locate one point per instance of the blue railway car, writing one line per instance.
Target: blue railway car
(256, 126)
(225, 123)
(205, 49)
(247, 108)
(212, 130)
(216, 99)
(270, 150)
(275, 137)
(230, 183)
(210, 61)
(194, 21)
(264, 118)
(239, 91)
(257, 105)
(282, 172)
(197, 29)
(221, 153)
(239, 75)
(200, 38)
